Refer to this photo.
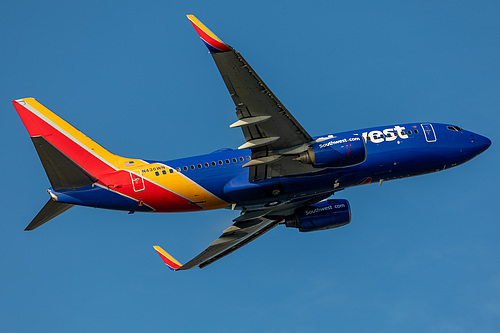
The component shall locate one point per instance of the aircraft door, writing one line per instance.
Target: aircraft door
(430, 135)
(137, 181)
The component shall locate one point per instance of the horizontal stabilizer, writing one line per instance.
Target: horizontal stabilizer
(62, 172)
(49, 211)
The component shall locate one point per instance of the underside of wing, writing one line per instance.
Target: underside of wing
(264, 120)
(271, 132)
(234, 237)
(246, 228)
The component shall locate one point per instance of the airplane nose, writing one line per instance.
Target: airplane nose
(481, 142)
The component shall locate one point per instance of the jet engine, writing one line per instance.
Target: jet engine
(335, 153)
(321, 216)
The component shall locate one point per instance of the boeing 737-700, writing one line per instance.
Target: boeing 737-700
(280, 175)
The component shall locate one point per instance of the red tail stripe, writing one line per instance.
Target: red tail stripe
(39, 127)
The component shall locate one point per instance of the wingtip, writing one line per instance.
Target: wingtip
(213, 43)
(167, 258)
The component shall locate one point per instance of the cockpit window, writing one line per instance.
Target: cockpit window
(454, 128)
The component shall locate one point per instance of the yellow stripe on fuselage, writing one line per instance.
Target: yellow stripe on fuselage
(180, 184)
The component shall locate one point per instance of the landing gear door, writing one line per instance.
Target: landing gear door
(137, 181)
(430, 135)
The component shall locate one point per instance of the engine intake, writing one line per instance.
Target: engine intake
(335, 153)
(321, 216)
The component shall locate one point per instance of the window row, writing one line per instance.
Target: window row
(206, 164)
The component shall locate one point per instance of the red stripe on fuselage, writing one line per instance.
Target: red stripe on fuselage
(161, 199)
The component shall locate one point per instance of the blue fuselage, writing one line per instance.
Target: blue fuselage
(416, 149)
(392, 152)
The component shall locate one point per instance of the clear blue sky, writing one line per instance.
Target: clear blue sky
(420, 255)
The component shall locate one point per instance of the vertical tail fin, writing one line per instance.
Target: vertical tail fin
(71, 159)
(63, 149)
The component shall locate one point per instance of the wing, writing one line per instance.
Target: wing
(247, 227)
(270, 130)
(273, 135)
(234, 237)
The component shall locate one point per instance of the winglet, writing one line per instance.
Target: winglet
(214, 43)
(167, 258)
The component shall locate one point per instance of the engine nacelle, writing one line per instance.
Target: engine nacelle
(321, 216)
(336, 152)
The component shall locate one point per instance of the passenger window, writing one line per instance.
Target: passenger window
(164, 172)
(178, 169)
(157, 173)
(235, 160)
(248, 158)
(192, 167)
(185, 168)
(409, 132)
(213, 163)
(171, 170)
(199, 166)
(220, 162)
(207, 165)
(415, 131)
(241, 159)
(228, 161)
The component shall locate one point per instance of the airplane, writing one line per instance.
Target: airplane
(281, 175)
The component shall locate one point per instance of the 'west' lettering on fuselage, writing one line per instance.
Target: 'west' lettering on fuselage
(388, 134)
